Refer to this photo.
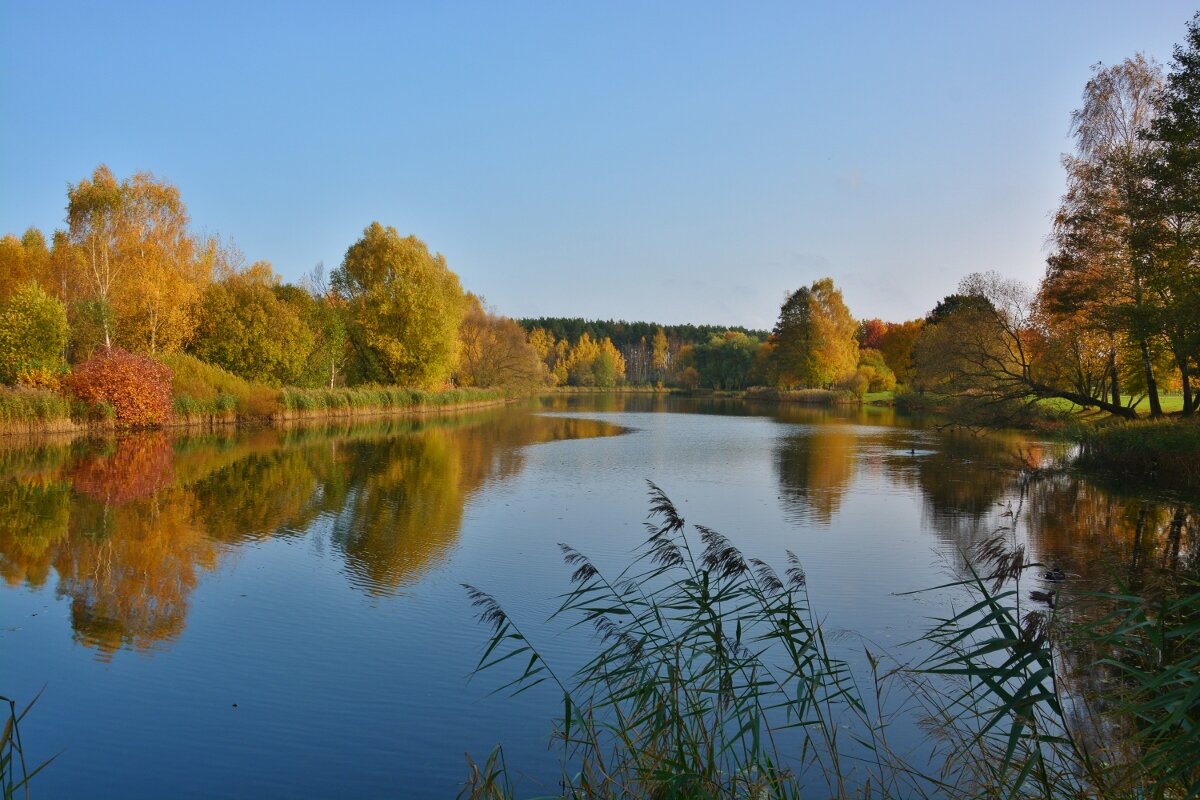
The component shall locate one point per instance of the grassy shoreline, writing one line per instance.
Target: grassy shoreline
(38, 412)
(1162, 452)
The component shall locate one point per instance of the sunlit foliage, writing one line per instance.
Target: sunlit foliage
(405, 307)
(815, 337)
(136, 387)
(246, 329)
(33, 337)
(494, 351)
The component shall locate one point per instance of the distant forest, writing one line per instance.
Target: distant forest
(631, 334)
(634, 340)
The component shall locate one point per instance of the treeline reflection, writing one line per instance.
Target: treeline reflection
(128, 527)
(972, 487)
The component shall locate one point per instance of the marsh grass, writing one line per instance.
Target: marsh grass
(24, 410)
(713, 678)
(1160, 452)
(812, 397)
(205, 390)
(345, 401)
(15, 773)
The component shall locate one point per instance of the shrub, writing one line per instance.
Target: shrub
(41, 377)
(856, 383)
(137, 387)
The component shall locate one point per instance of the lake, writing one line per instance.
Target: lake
(280, 612)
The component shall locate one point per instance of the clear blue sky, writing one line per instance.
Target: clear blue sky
(681, 162)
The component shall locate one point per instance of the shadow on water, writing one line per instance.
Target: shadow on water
(129, 526)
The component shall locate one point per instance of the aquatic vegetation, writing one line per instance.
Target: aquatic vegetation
(713, 677)
(15, 772)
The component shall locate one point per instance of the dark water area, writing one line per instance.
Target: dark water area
(279, 613)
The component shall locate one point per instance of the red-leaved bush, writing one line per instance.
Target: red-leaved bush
(137, 387)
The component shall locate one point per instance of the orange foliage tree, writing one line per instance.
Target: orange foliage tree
(137, 387)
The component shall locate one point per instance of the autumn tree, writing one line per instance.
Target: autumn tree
(33, 335)
(22, 260)
(897, 346)
(494, 351)
(544, 344)
(590, 363)
(165, 276)
(683, 368)
(660, 355)
(405, 306)
(141, 268)
(995, 358)
(871, 333)
(815, 337)
(94, 216)
(1102, 260)
(580, 360)
(246, 329)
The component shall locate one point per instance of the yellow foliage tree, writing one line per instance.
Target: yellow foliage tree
(139, 260)
(405, 304)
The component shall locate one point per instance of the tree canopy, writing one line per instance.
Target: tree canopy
(405, 306)
(815, 337)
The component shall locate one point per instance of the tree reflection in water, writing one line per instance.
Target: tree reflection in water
(815, 469)
(130, 526)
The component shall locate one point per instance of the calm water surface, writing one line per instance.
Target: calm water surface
(279, 613)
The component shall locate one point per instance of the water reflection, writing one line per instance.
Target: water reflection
(1109, 538)
(965, 484)
(815, 468)
(130, 526)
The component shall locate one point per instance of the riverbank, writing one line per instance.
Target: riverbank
(37, 412)
(810, 397)
(611, 390)
(1163, 452)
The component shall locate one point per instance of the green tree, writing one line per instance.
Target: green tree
(246, 329)
(33, 333)
(324, 314)
(815, 337)
(874, 369)
(405, 306)
(1174, 194)
(724, 362)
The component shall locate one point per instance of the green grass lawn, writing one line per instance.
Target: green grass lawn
(1171, 401)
